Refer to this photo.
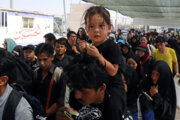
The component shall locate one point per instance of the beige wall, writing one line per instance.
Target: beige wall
(75, 18)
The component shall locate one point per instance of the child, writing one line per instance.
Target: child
(162, 91)
(98, 25)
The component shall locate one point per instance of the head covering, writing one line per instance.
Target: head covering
(166, 89)
(31, 47)
(144, 58)
(136, 58)
(121, 41)
(10, 44)
(129, 54)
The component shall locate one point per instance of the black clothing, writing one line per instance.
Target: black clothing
(110, 109)
(135, 87)
(111, 52)
(148, 66)
(114, 105)
(34, 64)
(69, 50)
(40, 90)
(64, 62)
(164, 102)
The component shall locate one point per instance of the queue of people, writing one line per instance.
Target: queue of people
(90, 76)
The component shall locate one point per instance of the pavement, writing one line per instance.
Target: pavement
(177, 114)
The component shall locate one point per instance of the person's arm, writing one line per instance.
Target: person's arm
(110, 68)
(175, 62)
(52, 109)
(176, 69)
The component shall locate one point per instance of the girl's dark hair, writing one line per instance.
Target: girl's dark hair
(97, 10)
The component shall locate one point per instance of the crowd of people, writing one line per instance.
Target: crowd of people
(93, 74)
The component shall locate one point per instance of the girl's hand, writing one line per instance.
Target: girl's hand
(154, 90)
(93, 51)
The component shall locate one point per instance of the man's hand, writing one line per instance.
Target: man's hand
(63, 114)
(154, 90)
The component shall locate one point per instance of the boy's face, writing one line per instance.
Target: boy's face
(88, 96)
(60, 49)
(29, 54)
(160, 46)
(97, 29)
(45, 61)
(143, 40)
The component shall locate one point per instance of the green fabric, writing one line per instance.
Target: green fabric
(10, 44)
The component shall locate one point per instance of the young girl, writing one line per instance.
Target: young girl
(162, 90)
(98, 25)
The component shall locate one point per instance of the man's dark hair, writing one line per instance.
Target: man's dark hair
(62, 41)
(44, 48)
(160, 39)
(87, 73)
(6, 63)
(69, 33)
(143, 36)
(50, 36)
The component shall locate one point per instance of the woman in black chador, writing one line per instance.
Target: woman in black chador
(162, 90)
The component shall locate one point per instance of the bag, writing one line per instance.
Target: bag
(14, 99)
(177, 87)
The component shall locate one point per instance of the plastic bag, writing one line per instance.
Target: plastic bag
(177, 87)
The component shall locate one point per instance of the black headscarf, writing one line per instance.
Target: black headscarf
(165, 101)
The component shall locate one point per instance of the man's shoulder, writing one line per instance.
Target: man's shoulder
(171, 50)
(23, 110)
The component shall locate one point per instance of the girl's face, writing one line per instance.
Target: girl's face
(141, 53)
(125, 49)
(155, 76)
(132, 63)
(97, 29)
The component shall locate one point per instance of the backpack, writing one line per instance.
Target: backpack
(14, 99)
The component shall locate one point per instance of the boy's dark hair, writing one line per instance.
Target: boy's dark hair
(97, 10)
(44, 48)
(6, 63)
(69, 33)
(62, 41)
(86, 73)
(160, 39)
(50, 36)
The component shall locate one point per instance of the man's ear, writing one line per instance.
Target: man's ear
(3, 80)
(102, 88)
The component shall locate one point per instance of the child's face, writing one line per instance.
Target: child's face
(97, 29)
(155, 76)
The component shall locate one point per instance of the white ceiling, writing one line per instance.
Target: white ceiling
(145, 10)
